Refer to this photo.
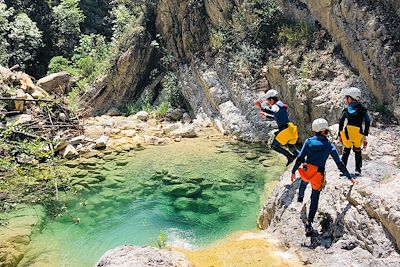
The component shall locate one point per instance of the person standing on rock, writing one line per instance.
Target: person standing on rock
(314, 155)
(353, 135)
(287, 133)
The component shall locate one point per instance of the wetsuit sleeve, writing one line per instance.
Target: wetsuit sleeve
(339, 163)
(342, 118)
(367, 121)
(270, 111)
(301, 157)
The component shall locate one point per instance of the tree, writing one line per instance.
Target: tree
(68, 17)
(4, 28)
(25, 38)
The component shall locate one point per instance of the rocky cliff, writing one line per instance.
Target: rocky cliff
(368, 33)
(353, 42)
(357, 225)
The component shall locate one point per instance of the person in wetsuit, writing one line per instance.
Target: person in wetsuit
(314, 155)
(353, 135)
(287, 133)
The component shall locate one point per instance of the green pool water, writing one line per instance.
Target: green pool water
(195, 191)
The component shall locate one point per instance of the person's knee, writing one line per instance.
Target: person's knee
(275, 144)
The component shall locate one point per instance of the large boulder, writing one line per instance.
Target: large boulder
(57, 83)
(126, 256)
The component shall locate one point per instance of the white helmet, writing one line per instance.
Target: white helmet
(353, 92)
(271, 93)
(320, 125)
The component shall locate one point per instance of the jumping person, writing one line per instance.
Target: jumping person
(314, 155)
(287, 132)
(353, 135)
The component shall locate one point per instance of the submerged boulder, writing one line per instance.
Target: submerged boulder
(183, 190)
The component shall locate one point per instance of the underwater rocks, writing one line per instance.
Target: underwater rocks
(142, 257)
(15, 234)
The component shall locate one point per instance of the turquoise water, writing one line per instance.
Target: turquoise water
(196, 192)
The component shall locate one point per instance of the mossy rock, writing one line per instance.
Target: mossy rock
(121, 163)
(262, 158)
(207, 195)
(266, 163)
(90, 180)
(206, 207)
(71, 163)
(170, 180)
(229, 187)
(88, 162)
(157, 176)
(81, 174)
(196, 180)
(206, 184)
(110, 157)
(184, 203)
(99, 177)
(81, 188)
(183, 190)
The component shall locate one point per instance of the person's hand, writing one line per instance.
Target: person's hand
(262, 115)
(365, 143)
(258, 103)
(340, 140)
(293, 177)
(354, 181)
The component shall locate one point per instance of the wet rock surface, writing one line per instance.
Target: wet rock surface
(142, 257)
(357, 224)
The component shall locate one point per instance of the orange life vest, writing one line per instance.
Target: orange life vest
(309, 173)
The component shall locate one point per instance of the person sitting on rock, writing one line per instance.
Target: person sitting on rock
(314, 155)
(287, 132)
(353, 135)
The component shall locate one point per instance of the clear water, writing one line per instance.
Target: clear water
(149, 194)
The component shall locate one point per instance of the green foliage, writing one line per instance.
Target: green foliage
(162, 109)
(303, 87)
(245, 61)
(295, 34)
(4, 28)
(74, 95)
(162, 240)
(131, 108)
(68, 17)
(172, 91)
(216, 39)
(25, 38)
(60, 63)
(20, 37)
(305, 69)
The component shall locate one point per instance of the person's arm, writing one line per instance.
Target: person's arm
(269, 111)
(342, 118)
(367, 121)
(301, 157)
(340, 164)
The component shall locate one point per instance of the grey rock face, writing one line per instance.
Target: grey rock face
(356, 224)
(366, 32)
(127, 256)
